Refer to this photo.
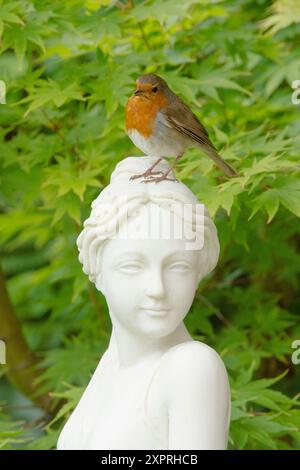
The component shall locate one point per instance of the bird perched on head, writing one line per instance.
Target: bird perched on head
(159, 123)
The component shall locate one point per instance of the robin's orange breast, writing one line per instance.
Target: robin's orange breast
(140, 113)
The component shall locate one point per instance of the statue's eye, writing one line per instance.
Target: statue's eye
(130, 267)
(180, 267)
(155, 89)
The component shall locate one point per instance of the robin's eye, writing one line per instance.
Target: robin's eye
(155, 89)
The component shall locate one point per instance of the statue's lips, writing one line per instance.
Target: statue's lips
(156, 312)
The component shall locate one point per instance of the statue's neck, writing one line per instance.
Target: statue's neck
(127, 348)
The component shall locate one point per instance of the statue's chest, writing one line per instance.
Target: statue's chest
(118, 417)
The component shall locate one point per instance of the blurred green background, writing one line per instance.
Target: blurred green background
(69, 67)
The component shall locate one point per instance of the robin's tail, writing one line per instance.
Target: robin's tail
(213, 154)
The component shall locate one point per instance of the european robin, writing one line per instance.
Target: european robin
(159, 123)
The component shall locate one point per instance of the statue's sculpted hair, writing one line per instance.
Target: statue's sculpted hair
(124, 198)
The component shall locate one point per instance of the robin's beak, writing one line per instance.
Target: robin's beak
(138, 92)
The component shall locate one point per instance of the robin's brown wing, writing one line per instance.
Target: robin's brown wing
(179, 116)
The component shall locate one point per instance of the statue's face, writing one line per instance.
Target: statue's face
(150, 284)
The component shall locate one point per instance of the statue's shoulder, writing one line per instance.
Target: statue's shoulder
(191, 369)
(191, 357)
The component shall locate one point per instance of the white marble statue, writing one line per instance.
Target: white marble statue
(154, 387)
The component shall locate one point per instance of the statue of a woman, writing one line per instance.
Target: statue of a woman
(146, 246)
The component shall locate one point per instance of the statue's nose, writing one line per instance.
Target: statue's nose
(156, 288)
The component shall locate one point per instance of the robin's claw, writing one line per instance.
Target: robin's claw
(158, 179)
(147, 174)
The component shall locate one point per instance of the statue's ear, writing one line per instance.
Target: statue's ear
(200, 277)
(99, 284)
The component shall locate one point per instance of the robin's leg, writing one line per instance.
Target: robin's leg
(149, 171)
(164, 176)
